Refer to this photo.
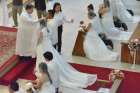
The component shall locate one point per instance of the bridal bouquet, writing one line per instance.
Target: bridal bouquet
(82, 26)
(29, 88)
(116, 74)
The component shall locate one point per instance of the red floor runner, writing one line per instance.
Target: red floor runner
(131, 83)
(28, 73)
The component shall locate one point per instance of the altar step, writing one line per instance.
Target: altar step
(8, 65)
(24, 70)
(16, 72)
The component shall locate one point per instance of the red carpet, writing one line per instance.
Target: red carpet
(131, 83)
(24, 70)
(7, 47)
(7, 43)
(8, 65)
(28, 73)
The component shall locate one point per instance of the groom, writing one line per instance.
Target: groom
(53, 69)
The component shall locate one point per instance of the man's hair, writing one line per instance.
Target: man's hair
(51, 12)
(48, 55)
(14, 86)
(29, 6)
(90, 6)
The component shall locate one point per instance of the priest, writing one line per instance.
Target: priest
(28, 33)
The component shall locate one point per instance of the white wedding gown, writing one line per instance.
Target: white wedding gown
(75, 90)
(119, 10)
(4, 17)
(95, 48)
(111, 31)
(69, 76)
(46, 87)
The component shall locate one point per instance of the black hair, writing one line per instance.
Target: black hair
(57, 4)
(14, 86)
(92, 14)
(51, 12)
(90, 6)
(48, 55)
(43, 66)
(106, 3)
(81, 22)
(29, 6)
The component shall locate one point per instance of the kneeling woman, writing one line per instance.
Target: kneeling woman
(94, 47)
(43, 83)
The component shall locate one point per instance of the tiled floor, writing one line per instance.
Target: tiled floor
(78, 13)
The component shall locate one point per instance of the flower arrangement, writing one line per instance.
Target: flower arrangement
(116, 74)
(82, 26)
(134, 44)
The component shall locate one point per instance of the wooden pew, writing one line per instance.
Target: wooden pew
(125, 52)
(78, 48)
(115, 86)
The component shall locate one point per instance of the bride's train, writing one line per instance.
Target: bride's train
(111, 31)
(95, 49)
(69, 77)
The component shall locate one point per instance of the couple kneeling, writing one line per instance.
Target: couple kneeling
(51, 78)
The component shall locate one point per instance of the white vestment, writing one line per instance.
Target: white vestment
(95, 48)
(27, 35)
(4, 17)
(69, 76)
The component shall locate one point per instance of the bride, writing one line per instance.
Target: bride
(4, 17)
(94, 47)
(120, 11)
(108, 25)
(69, 76)
(43, 83)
